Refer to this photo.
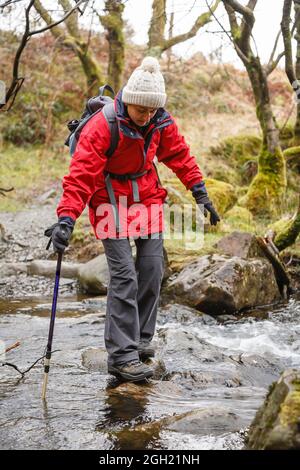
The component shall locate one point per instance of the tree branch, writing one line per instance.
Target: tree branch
(235, 31)
(17, 81)
(247, 26)
(287, 40)
(52, 25)
(201, 21)
(275, 47)
(245, 30)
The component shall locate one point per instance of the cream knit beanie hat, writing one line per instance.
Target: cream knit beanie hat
(146, 85)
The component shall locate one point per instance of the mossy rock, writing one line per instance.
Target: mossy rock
(239, 149)
(223, 195)
(276, 424)
(238, 218)
(240, 154)
(226, 172)
(265, 194)
(280, 225)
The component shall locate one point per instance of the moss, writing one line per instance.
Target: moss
(238, 218)
(224, 172)
(287, 232)
(290, 409)
(240, 154)
(286, 136)
(222, 194)
(265, 194)
(239, 149)
(292, 157)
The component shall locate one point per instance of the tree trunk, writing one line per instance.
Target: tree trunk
(72, 39)
(297, 37)
(156, 31)
(157, 43)
(114, 24)
(265, 193)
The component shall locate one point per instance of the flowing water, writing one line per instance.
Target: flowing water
(88, 409)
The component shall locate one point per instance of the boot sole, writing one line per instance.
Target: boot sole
(130, 377)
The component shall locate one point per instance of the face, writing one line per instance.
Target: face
(140, 115)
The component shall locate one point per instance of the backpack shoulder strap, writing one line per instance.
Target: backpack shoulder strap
(111, 118)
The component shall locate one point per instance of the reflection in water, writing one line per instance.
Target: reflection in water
(125, 409)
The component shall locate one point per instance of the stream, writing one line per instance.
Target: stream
(216, 373)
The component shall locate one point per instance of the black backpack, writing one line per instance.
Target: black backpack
(95, 105)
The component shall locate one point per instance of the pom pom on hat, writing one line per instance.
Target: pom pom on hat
(146, 85)
(150, 64)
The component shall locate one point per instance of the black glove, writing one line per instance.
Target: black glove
(60, 233)
(201, 197)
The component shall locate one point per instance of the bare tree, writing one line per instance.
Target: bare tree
(17, 80)
(292, 67)
(158, 43)
(265, 193)
(72, 38)
(113, 23)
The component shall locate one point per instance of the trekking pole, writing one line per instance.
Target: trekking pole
(51, 327)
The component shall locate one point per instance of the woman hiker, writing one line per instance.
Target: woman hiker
(129, 178)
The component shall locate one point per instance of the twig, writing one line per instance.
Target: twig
(29, 368)
(13, 346)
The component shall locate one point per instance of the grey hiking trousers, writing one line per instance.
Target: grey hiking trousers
(132, 296)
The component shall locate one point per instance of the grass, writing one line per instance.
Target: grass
(30, 170)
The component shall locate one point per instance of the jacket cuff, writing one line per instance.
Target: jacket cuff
(67, 221)
(199, 187)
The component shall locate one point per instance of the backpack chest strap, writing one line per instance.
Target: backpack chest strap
(122, 177)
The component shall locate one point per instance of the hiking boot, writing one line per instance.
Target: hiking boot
(133, 371)
(145, 351)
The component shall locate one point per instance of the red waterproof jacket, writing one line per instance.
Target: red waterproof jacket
(85, 183)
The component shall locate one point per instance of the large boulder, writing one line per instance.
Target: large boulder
(242, 244)
(217, 284)
(93, 276)
(276, 425)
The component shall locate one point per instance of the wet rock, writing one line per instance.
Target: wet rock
(220, 285)
(190, 360)
(241, 244)
(212, 420)
(95, 359)
(187, 357)
(47, 268)
(178, 313)
(93, 276)
(277, 423)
